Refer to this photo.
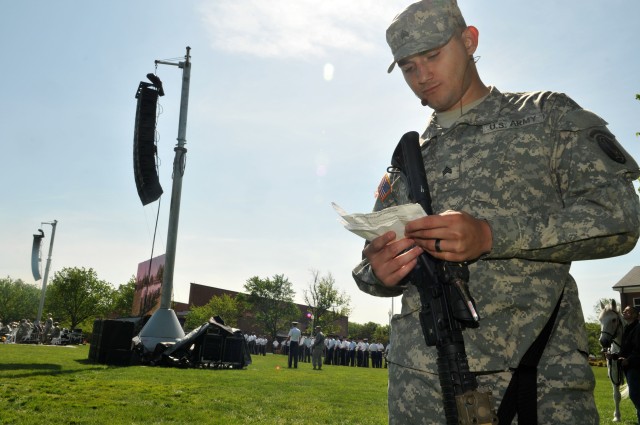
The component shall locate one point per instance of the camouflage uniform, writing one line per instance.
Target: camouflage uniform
(555, 186)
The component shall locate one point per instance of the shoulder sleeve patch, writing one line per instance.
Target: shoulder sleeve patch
(580, 119)
(608, 144)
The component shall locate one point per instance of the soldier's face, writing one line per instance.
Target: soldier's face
(439, 77)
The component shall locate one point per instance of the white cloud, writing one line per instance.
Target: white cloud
(297, 28)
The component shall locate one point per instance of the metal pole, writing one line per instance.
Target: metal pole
(176, 192)
(46, 271)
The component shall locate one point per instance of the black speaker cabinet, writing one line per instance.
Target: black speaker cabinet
(114, 335)
(211, 348)
(96, 335)
(233, 349)
(144, 146)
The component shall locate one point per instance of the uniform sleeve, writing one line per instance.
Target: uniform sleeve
(598, 211)
(368, 282)
(391, 191)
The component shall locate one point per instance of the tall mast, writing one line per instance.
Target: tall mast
(163, 325)
(46, 270)
(176, 191)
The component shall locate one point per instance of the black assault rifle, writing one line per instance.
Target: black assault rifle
(447, 306)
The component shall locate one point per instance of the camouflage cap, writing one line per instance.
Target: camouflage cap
(423, 26)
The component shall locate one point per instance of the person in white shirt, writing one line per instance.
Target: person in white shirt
(352, 353)
(331, 342)
(344, 352)
(294, 340)
(307, 349)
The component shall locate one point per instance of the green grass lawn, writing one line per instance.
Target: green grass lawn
(58, 385)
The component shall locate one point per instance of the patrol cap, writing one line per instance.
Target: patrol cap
(423, 26)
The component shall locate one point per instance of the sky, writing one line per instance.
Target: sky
(290, 109)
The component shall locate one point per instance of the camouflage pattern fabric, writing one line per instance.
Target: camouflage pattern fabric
(423, 26)
(555, 187)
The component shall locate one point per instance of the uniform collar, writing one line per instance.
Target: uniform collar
(483, 113)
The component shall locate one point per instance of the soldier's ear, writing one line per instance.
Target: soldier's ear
(470, 37)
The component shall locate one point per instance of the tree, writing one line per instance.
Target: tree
(18, 300)
(228, 308)
(271, 300)
(381, 334)
(359, 331)
(593, 336)
(122, 302)
(325, 302)
(76, 294)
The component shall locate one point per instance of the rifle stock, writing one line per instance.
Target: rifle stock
(447, 306)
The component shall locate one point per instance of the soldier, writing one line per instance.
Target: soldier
(317, 347)
(307, 348)
(294, 340)
(522, 184)
(373, 349)
(360, 353)
(352, 352)
(46, 335)
(337, 351)
(330, 343)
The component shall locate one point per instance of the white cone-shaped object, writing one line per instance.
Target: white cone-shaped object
(163, 326)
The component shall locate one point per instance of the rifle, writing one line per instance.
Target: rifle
(447, 306)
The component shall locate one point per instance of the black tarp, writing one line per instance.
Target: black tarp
(212, 345)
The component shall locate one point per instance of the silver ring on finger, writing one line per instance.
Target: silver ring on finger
(438, 249)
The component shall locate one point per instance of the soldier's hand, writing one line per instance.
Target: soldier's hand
(391, 260)
(461, 236)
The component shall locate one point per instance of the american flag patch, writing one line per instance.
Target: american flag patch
(384, 188)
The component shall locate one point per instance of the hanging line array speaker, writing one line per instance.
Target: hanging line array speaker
(144, 147)
(35, 255)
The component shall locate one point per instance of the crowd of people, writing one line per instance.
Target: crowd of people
(27, 332)
(257, 344)
(335, 350)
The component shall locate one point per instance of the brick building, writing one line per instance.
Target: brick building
(200, 295)
(629, 288)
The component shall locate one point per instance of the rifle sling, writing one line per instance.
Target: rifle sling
(521, 396)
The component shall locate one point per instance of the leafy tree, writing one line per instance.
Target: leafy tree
(356, 330)
(76, 294)
(18, 300)
(271, 300)
(122, 302)
(371, 331)
(230, 309)
(381, 334)
(362, 331)
(325, 302)
(593, 335)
